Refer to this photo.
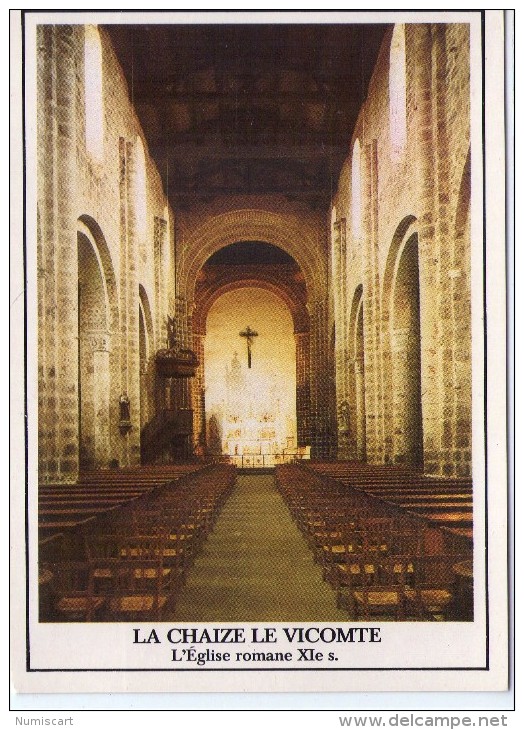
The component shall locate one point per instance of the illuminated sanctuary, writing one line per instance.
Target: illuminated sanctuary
(253, 420)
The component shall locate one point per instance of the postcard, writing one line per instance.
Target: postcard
(259, 396)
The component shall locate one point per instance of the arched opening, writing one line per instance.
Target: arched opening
(248, 253)
(405, 346)
(270, 271)
(93, 93)
(278, 230)
(250, 399)
(360, 386)
(397, 92)
(93, 354)
(356, 192)
(141, 188)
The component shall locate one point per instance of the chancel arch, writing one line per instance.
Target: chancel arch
(280, 230)
(275, 277)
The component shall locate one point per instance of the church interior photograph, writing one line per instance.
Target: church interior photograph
(254, 322)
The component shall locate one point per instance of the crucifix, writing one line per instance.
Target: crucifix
(248, 333)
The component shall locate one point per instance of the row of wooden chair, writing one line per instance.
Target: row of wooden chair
(130, 564)
(399, 587)
(62, 508)
(446, 502)
(380, 559)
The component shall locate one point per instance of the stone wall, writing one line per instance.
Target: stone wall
(422, 192)
(80, 195)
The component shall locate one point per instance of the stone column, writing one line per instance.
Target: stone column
(341, 341)
(353, 410)
(45, 249)
(459, 275)
(58, 454)
(335, 273)
(95, 378)
(343, 334)
(428, 258)
(44, 448)
(374, 407)
(181, 387)
(302, 385)
(180, 392)
(361, 409)
(453, 288)
(161, 259)
(147, 386)
(399, 347)
(131, 348)
(323, 420)
(198, 392)
(124, 182)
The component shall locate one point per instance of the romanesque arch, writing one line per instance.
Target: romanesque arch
(89, 227)
(97, 326)
(205, 301)
(281, 230)
(289, 286)
(305, 243)
(401, 348)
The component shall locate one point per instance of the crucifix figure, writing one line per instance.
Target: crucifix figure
(248, 333)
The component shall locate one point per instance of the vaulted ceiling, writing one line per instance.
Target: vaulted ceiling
(248, 109)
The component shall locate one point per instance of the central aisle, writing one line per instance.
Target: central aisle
(256, 566)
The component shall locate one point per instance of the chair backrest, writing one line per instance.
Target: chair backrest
(436, 571)
(74, 590)
(407, 542)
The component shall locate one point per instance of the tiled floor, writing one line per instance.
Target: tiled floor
(256, 566)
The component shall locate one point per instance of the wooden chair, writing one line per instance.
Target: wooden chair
(374, 587)
(351, 572)
(430, 594)
(337, 548)
(136, 573)
(147, 576)
(73, 588)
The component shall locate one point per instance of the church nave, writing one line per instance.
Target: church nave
(255, 565)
